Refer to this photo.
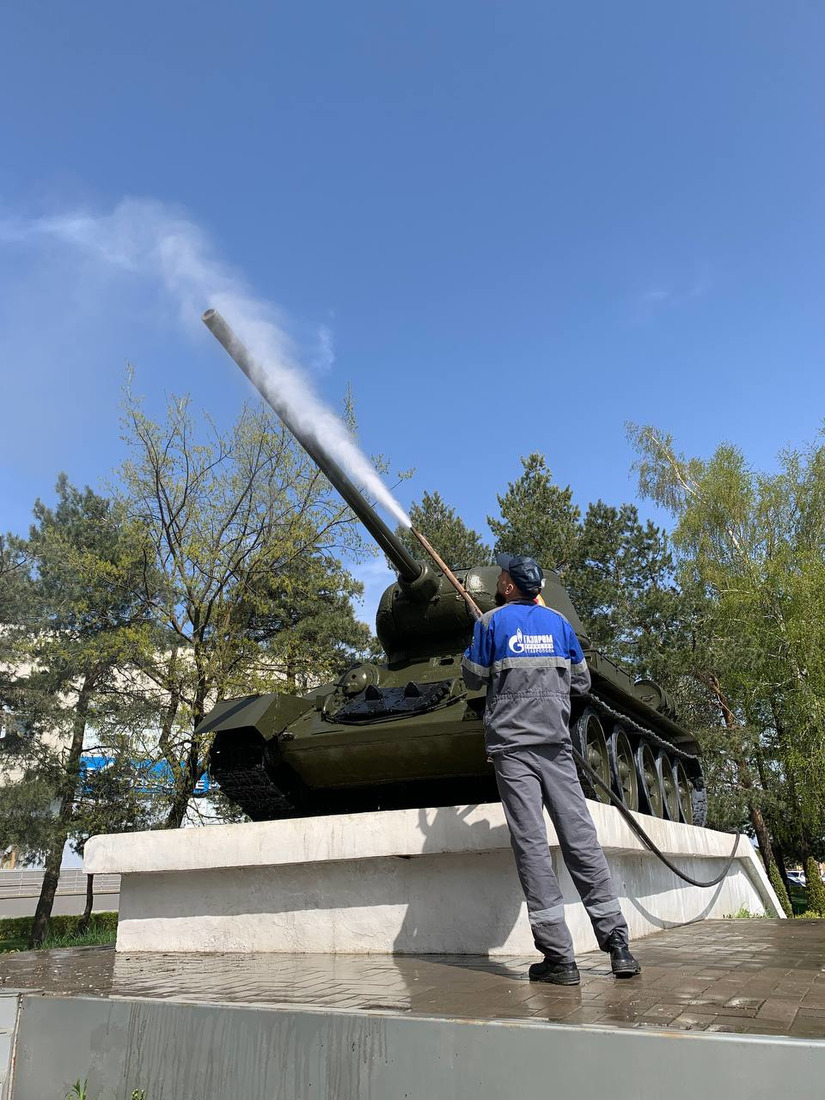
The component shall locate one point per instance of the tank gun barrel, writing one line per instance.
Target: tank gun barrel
(409, 570)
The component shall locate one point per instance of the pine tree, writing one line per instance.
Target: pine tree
(779, 889)
(538, 518)
(82, 622)
(459, 545)
(620, 578)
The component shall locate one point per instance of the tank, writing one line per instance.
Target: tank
(407, 732)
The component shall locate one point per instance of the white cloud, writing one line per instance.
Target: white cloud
(653, 297)
(164, 248)
(671, 296)
(325, 351)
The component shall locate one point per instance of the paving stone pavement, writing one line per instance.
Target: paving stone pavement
(749, 976)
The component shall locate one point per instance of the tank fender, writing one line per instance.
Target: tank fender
(267, 714)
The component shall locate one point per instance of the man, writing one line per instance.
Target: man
(530, 659)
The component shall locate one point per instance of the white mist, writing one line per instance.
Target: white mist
(151, 240)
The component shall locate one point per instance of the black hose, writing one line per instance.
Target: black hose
(642, 835)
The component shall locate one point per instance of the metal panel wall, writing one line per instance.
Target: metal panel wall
(177, 1051)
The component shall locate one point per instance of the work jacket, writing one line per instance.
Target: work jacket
(530, 659)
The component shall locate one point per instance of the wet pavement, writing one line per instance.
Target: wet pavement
(748, 976)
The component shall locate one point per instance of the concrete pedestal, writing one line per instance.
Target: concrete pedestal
(405, 881)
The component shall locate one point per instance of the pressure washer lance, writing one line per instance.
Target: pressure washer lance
(591, 773)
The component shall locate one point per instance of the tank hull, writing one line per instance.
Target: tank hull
(273, 763)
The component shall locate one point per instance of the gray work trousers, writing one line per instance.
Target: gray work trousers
(546, 774)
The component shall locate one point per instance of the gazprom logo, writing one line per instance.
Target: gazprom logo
(530, 643)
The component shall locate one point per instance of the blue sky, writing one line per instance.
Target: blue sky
(516, 225)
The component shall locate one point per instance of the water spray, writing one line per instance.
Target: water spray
(410, 571)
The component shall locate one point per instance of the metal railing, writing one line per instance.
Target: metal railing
(27, 884)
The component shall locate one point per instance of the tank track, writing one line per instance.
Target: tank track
(625, 719)
(248, 785)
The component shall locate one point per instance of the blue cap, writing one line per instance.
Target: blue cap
(526, 574)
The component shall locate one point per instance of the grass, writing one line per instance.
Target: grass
(14, 932)
(93, 938)
(15, 943)
(745, 914)
(80, 1091)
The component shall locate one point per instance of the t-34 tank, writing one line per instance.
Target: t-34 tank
(408, 733)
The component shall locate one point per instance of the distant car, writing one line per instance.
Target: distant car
(796, 878)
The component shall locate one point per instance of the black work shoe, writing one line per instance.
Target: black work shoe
(622, 963)
(556, 973)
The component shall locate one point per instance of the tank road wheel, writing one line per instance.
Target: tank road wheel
(623, 767)
(593, 747)
(670, 791)
(684, 789)
(649, 777)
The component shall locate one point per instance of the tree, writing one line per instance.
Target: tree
(537, 517)
(17, 811)
(753, 544)
(780, 889)
(620, 577)
(122, 796)
(309, 630)
(15, 597)
(459, 545)
(619, 572)
(82, 622)
(243, 530)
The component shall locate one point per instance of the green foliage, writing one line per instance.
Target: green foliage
(91, 937)
(62, 925)
(779, 889)
(814, 886)
(537, 517)
(215, 571)
(81, 621)
(15, 597)
(247, 591)
(459, 545)
(752, 546)
(743, 913)
(308, 630)
(619, 571)
(27, 801)
(620, 576)
(79, 1090)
